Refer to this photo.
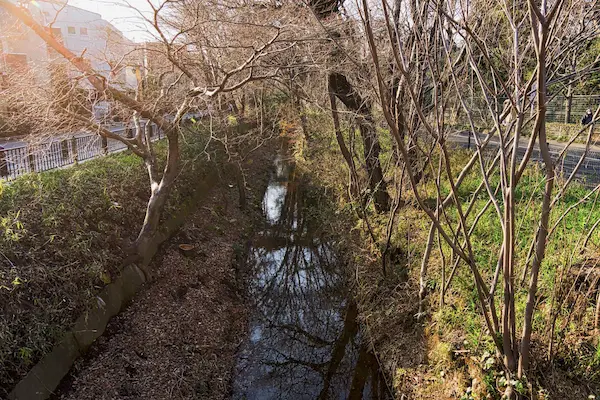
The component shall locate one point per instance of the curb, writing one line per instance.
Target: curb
(46, 375)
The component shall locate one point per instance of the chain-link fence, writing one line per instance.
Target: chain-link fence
(560, 107)
(557, 109)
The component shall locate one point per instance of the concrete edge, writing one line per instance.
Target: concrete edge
(41, 381)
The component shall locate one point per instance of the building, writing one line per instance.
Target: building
(83, 32)
(20, 49)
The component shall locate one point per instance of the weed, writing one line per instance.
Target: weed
(460, 321)
(64, 234)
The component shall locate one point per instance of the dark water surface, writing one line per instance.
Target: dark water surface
(304, 340)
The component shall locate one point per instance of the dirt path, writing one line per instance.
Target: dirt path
(178, 338)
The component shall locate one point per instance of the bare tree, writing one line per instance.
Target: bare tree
(203, 64)
(430, 53)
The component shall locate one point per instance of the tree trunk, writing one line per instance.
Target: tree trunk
(540, 246)
(343, 90)
(342, 144)
(159, 194)
(146, 238)
(569, 96)
(243, 102)
(568, 103)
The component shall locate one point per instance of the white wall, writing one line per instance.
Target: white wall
(103, 45)
(16, 38)
(86, 33)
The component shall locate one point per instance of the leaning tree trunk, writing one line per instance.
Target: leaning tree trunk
(146, 238)
(146, 241)
(343, 90)
(354, 191)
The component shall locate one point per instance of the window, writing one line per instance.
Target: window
(71, 30)
(56, 32)
(16, 62)
(83, 31)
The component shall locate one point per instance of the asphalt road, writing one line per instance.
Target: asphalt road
(588, 173)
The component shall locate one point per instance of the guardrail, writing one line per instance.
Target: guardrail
(61, 152)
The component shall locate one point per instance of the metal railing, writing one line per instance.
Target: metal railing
(61, 152)
(556, 109)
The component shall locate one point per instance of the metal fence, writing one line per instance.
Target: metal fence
(63, 151)
(556, 109)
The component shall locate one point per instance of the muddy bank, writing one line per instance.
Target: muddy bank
(179, 336)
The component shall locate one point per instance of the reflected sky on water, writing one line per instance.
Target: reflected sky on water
(304, 340)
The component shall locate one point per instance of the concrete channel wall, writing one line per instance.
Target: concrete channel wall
(46, 375)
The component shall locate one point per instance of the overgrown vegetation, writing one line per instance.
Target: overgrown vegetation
(66, 233)
(470, 256)
(451, 353)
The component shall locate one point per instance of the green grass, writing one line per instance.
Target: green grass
(563, 247)
(64, 235)
(565, 132)
(461, 317)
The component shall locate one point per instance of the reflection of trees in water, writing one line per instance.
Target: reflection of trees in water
(304, 338)
(282, 202)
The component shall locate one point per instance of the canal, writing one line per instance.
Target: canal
(304, 339)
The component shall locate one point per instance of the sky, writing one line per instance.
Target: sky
(123, 17)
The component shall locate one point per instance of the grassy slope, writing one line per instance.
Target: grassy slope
(444, 357)
(64, 235)
(189, 321)
(556, 131)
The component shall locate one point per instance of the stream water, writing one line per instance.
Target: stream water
(304, 340)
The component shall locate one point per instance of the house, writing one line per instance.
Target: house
(83, 32)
